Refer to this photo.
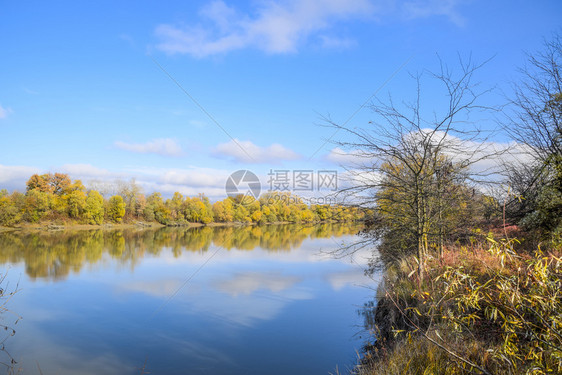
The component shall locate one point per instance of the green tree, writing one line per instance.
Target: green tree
(222, 211)
(9, 213)
(198, 210)
(175, 206)
(241, 214)
(156, 209)
(37, 204)
(94, 208)
(59, 205)
(76, 185)
(116, 208)
(76, 204)
(254, 210)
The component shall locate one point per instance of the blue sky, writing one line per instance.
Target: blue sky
(82, 91)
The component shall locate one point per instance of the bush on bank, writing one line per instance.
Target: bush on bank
(477, 310)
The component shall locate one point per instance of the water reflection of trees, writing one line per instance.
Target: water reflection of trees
(55, 255)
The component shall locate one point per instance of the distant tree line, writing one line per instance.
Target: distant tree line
(56, 198)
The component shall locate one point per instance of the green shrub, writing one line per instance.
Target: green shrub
(476, 311)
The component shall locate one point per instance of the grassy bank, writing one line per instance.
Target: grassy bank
(482, 309)
(50, 225)
(72, 225)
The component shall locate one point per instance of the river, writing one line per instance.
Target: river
(211, 300)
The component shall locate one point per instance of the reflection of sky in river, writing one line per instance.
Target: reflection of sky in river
(254, 312)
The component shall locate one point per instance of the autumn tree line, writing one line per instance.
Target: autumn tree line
(55, 198)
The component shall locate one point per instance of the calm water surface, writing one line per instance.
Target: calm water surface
(223, 300)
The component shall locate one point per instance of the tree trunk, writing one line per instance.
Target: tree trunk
(420, 231)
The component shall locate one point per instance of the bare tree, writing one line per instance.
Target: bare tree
(414, 165)
(132, 196)
(535, 121)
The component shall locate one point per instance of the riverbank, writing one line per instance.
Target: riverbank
(486, 309)
(135, 225)
(74, 226)
(49, 225)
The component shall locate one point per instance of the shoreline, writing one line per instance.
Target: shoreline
(50, 226)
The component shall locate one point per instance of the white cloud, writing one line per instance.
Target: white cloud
(351, 277)
(249, 282)
(160, 146)
(276, 27)
(485, 159)
(283, 26)
(248, 152)
(483, 156)
(4, 112)
(190, 181)
(86, 170)
(186, 190)
(156, 288)
(204, 177)
(14, 177)
(347, 158)
(428, 8)
(62, 356)
(95, 178)
(248, 309)
(240, 284)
